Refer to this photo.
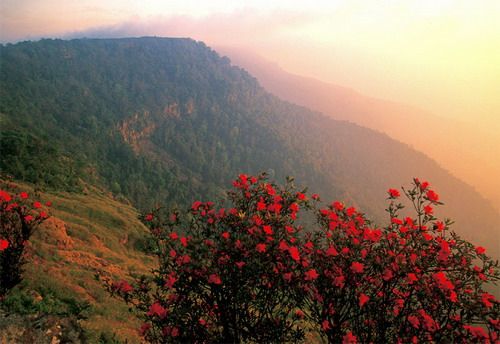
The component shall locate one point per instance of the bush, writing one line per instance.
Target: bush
(250, 273)
(19, 217)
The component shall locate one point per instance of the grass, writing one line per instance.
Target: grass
(86, 234)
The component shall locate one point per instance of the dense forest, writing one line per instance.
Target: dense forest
(169, 120)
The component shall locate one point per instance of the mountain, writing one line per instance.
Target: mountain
(170, 121)
(454, 144)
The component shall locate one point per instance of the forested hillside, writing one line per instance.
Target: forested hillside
(169, 121)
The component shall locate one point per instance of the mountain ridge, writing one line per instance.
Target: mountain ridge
(170, 121)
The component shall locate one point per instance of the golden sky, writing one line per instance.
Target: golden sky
(442, 56)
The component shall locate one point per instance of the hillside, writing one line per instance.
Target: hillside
(87, 233)
(170, 121)
(454, 144)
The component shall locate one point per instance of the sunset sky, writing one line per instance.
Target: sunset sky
(439, 55)
(442, 56)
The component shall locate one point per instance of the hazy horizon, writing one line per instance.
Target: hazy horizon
(439, 56)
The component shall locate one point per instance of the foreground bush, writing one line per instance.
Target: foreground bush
(19, 217)
(249, 272)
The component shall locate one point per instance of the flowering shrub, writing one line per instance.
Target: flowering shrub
(411, 281)
(250, 272)
(19, 216)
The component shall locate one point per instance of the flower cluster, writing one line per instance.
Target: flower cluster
(250, 272)
(19, 216)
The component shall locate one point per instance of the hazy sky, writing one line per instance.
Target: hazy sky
(443, 56)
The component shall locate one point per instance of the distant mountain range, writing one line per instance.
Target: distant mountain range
(170, 121)
(469, 151)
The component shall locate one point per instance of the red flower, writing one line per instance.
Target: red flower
(4, 195)
(412, 278)
(476, 331)
(432, 196)
(331, 251)
(23, 195)
(157, 310)
(487, 300)
(28, 218)
(311, 275)
(261, 205)
(196, 205)
(363, 299)
(214, 279)
(338, 206)
(357, 267)
(239, 264)
(261, 248)
(294, 253)
(301, 196)
(184, 241)
(480, 250)
(325, 325)
(442, 281)
(144, 329)
(268, 230)
(349, 338)
(413, 320)
(148, 217)
(299, 313)
(171, 279)
(4, 244)
(37, 205)
(428, 209)
(173, 236)
(393, 193)
(226, 235)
